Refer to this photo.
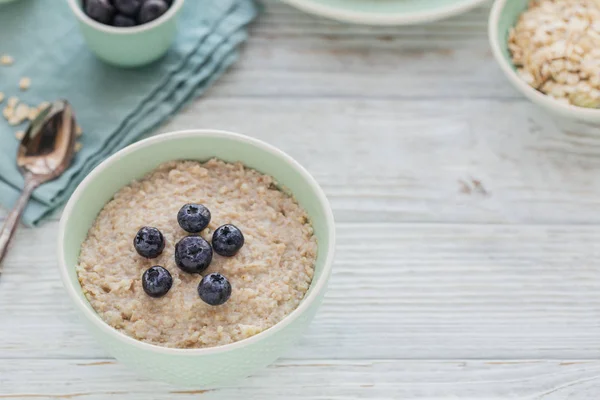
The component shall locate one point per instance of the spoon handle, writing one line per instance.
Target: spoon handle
(12, 220)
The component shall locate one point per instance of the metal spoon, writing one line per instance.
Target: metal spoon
(44, 154)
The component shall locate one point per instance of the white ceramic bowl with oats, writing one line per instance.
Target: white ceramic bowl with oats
(504, 16)
(178, 338)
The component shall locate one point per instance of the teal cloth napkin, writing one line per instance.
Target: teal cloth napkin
(113, 106)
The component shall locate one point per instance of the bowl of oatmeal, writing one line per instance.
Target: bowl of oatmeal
(549, 51)
(197, 257)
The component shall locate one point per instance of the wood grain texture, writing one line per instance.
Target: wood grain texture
(468, 262)
(426, 161)
(398, 291)
(314, 379)
(291, 54)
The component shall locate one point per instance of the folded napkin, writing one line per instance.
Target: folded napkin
(113, 106)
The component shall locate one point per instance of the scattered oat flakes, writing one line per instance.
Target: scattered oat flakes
(555, 46)
(33, 113)
(78, 131)
(78, 147)
(7, 112)
(12, 101)
(16, 115)
(1, 97)
(5, 59)
(19, 135)
(22, 110)
(24, 83)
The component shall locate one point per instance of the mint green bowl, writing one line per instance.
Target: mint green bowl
(385, 12)
(216, 366)
(133, 46)
(504, 15)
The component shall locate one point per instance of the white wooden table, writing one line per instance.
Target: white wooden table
(468, 263)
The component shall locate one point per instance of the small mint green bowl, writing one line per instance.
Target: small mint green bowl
(216, 366)
(132, 46)
(504, 15)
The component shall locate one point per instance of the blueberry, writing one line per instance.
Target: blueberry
(149, 242)
(227, 240)
(100, 10)
(123, 21)
(193, 254)
(193, 218)
(151, 10)
(214, 289)
(128, 7)
(156, 281)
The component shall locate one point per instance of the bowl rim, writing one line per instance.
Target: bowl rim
(581, 113)
(307, 301)
(78, 11)
(382, 19)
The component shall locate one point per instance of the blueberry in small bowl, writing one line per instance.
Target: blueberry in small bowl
(130, 8)
(127, 33)
(134, 12)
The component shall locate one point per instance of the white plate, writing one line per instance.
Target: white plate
(385, 12)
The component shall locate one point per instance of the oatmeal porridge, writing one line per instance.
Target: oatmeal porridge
(268, 276)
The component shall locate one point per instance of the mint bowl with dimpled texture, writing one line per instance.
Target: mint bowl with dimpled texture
(214, 366)
(131, 46)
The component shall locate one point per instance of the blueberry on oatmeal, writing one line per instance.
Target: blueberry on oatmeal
(193, 218)
(156, 281)
(227, 240)
(214, 289)
(149, 242)
(193, 254)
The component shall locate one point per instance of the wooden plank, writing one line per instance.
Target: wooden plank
(426, 161)
(293, 54)
(415, 291)
(314, 379)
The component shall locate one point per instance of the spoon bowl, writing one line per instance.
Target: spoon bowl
(48, 146)
(45, 152)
